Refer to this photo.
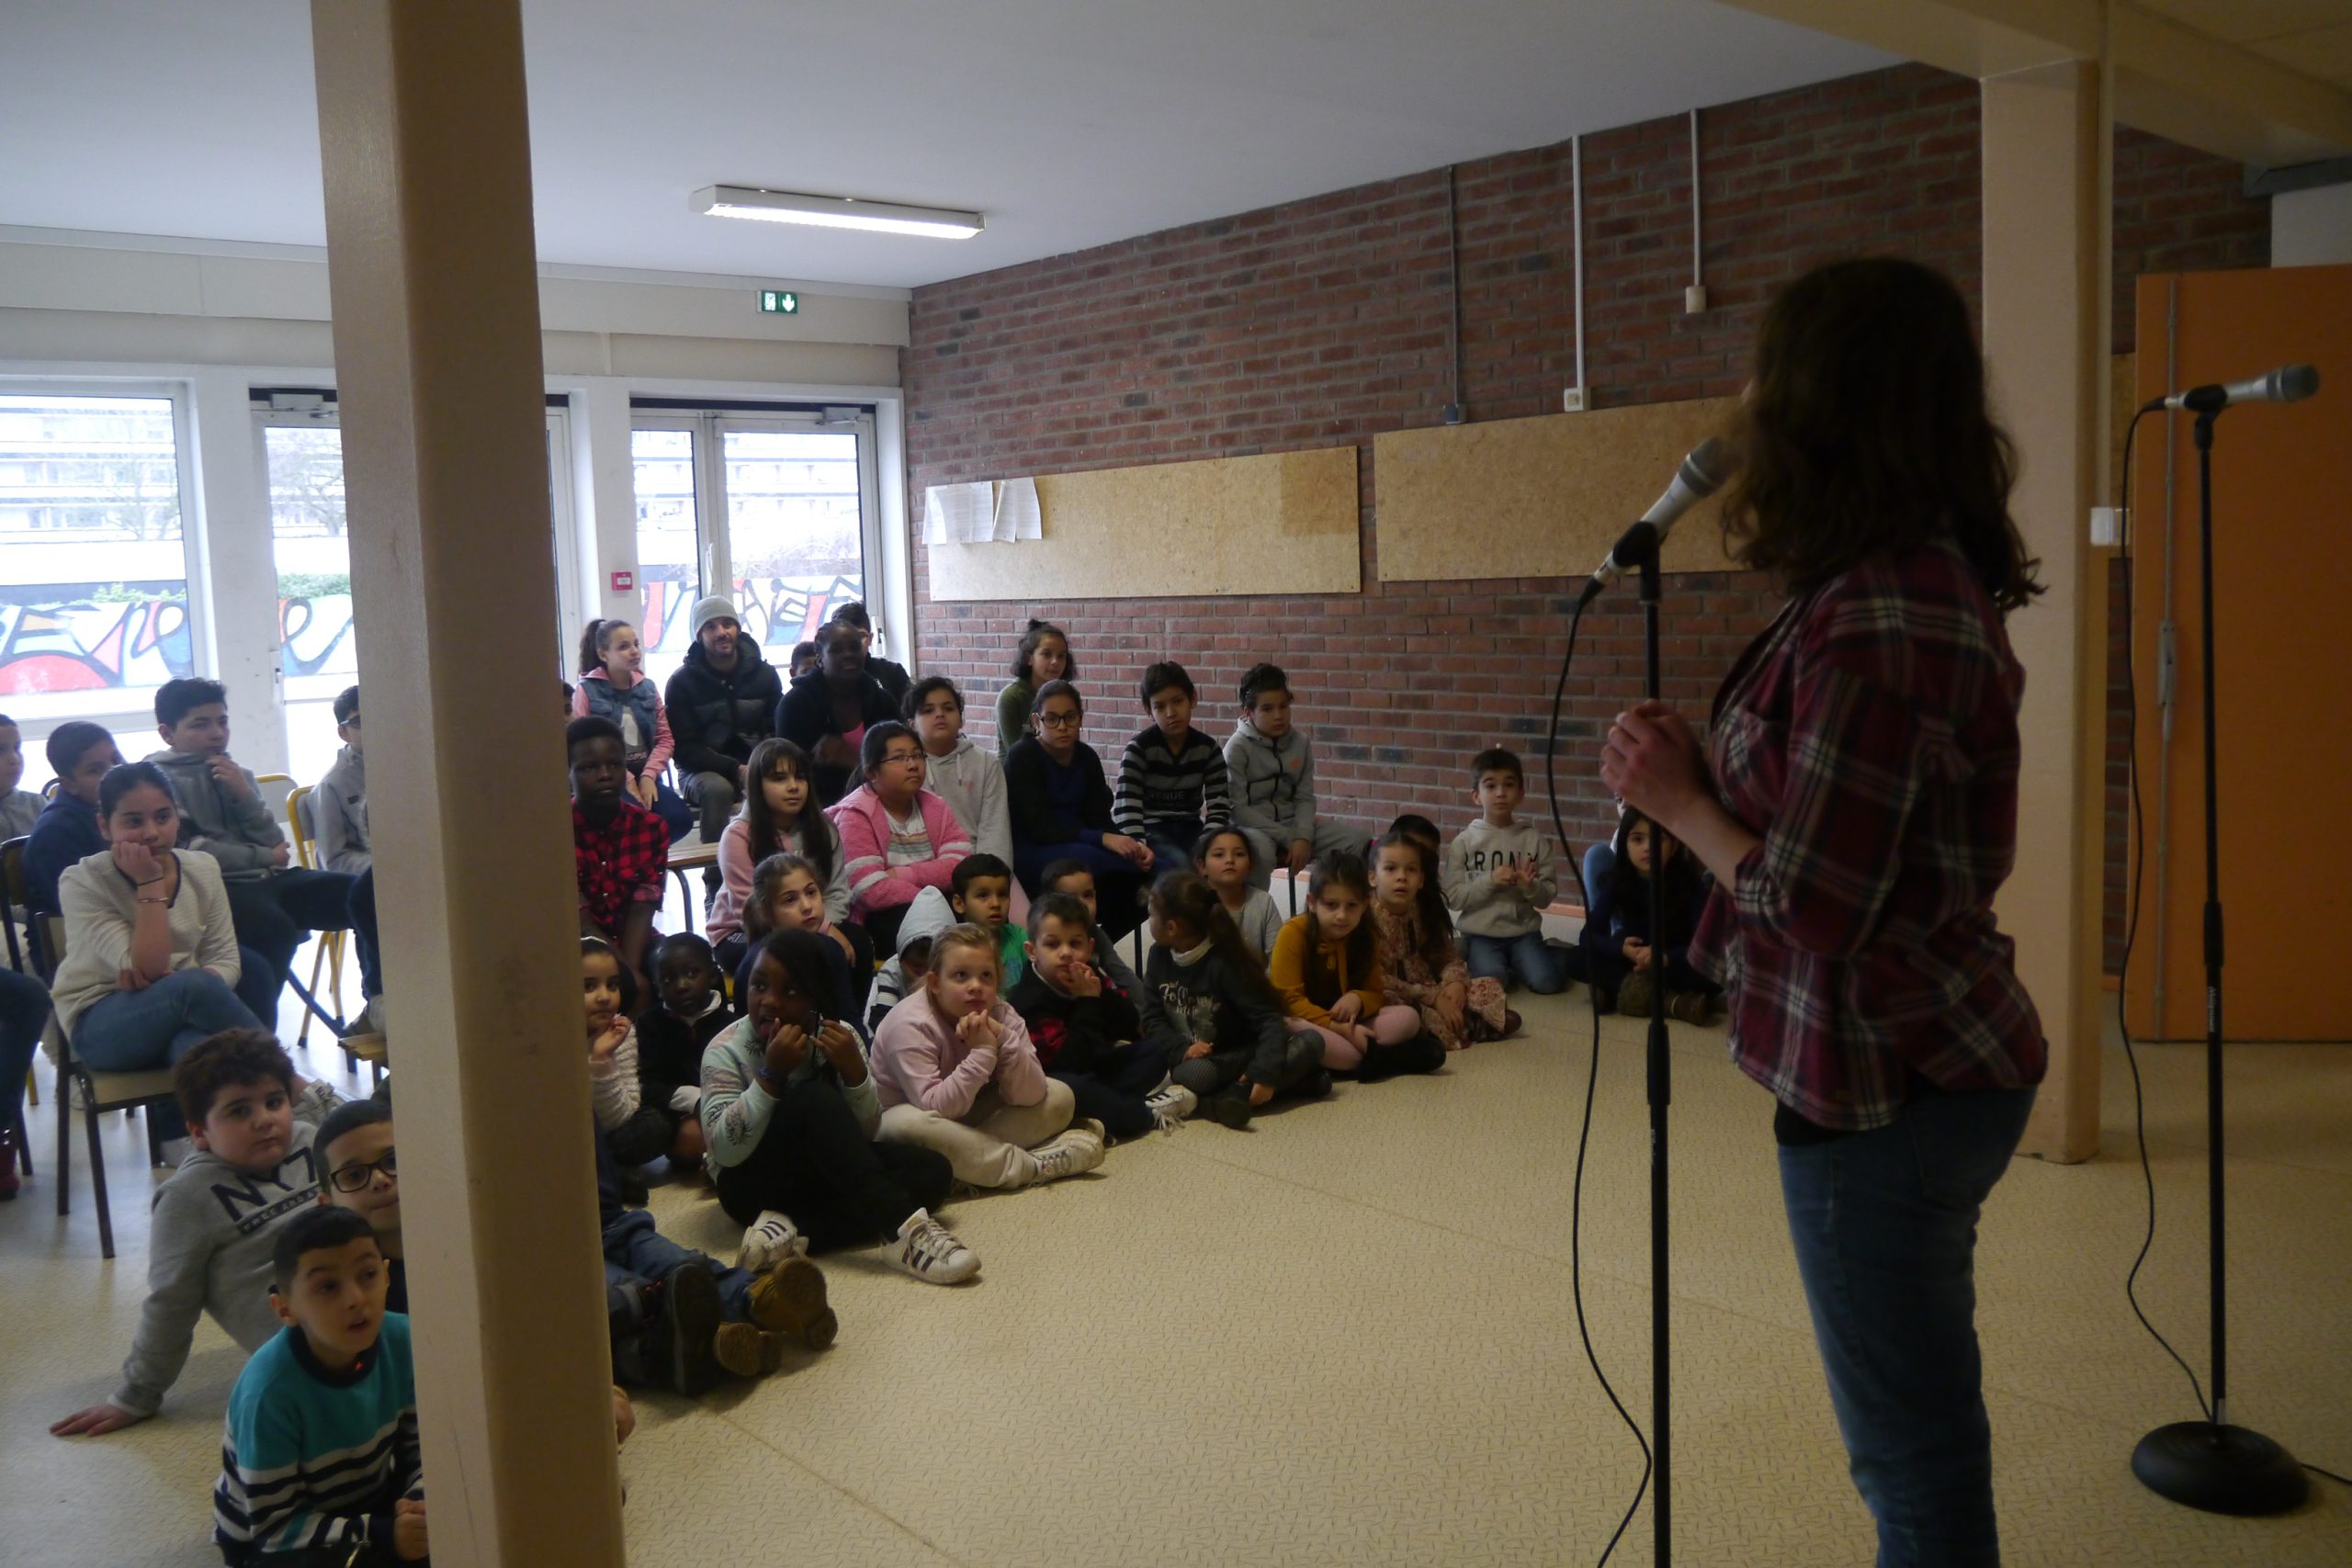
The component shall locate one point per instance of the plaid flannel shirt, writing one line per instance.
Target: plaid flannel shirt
(620, 863)
(1870, 738)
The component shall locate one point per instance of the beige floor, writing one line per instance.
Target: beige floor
(1345, 1336)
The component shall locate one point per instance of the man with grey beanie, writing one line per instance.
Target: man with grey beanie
(721, 704)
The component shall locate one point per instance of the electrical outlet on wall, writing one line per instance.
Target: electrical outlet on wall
(1572, 400)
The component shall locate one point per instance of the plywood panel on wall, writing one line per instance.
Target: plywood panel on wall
(1284, 522)
(1541, 497)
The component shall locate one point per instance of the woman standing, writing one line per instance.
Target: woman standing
(614, 685)
(1857, 802)
(151, 963)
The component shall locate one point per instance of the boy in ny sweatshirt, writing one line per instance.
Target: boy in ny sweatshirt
(217, 1217)
(1498, 877)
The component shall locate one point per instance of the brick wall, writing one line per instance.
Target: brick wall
(1330, 321)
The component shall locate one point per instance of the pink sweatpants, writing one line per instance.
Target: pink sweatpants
(1390, 1026)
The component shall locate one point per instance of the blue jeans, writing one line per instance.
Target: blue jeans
(1545, 968)
(24, 1008)
(135, 1032)
(1884, 1223)
(636, 1256)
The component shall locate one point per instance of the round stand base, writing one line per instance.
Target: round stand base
(2222, 1469)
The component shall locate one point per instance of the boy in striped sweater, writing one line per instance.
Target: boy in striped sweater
(1171, 780)
(321, 1462)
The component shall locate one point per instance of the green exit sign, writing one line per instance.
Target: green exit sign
(779, 301)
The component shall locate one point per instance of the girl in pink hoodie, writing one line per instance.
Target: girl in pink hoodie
(956, 1072)
(897, 836)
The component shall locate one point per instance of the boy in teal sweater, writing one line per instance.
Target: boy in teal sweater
(321, 1461)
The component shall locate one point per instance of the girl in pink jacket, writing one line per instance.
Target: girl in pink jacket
(897, 837)
(956, 1073)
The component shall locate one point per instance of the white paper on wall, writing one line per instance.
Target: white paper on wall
(1017, 516)
(959, 514)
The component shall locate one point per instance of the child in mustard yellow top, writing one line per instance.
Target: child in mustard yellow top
(1326, 968)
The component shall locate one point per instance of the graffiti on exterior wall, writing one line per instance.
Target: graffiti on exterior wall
(92, 645)
(776, 611)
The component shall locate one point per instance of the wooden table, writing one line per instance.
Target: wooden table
(691, 854)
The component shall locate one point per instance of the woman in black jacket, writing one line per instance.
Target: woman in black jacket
(825, 714)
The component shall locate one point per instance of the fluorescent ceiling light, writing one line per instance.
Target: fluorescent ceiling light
(836, 213)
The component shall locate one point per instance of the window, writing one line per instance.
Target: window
(94, 597)
(779, 507)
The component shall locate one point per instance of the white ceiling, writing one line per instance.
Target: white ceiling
(1069, 122)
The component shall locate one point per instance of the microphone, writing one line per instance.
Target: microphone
(2288, 384)
(1702, 474)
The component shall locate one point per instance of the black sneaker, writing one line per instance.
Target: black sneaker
(1314, 1085)
(1230, 1109)
(686, 1321)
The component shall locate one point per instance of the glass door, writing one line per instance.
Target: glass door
(779, 508)
(300, 437)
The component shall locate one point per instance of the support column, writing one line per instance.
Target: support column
(605, 491)
(2046, 249)
(437, 333)
(240, 561)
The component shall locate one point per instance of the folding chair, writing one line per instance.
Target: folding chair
(328, 955)
(100, 1091)
(356, 1048)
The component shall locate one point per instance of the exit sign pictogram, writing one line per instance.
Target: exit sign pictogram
(779, 302)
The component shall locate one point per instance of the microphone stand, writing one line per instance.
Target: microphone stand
(2212, 1464)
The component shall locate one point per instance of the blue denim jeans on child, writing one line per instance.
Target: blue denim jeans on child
(131, 1031)
(1543, 968)
(1884, 1223)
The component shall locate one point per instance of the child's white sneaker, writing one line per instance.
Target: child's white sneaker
(768, 1241)
(1170, 1104)
(928, 1251)
(1071, 1153)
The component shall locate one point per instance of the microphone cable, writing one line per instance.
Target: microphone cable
(2131, 934)
(1592, 1078)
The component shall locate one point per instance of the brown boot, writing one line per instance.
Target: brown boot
(748, 1350)
(789, 1299)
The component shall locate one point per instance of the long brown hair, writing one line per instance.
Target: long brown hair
(1867, 433)
(776, 755)
(1340, 871)
(1186, 898)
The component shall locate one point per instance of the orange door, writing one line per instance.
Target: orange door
(2282, 605)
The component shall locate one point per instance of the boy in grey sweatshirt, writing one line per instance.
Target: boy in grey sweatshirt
(216, 1218)
(276, 904)
(1269, 767)
(339, 803)
(1498, 877)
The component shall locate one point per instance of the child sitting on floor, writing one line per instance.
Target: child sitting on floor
(640, 1133)
(1624, 955)
(926, 918)
(216, 1218)
(1229, 858)
(1224, 1031)
(1326, 968)
(1498, 879)
(1171, 779)
(779, 816)
(956, 1073)
(1076, 878)
(790, 1110)
(785, 897)
(1418, 966)
(983, 895)
(1088, 1033)
(689, 1010)
(320, 1461)
(358, 1171)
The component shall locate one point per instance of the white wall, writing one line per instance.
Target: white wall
(2311, 228)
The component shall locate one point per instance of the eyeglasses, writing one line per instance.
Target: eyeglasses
(903, 757)
(1058, 720)
(356, 1177)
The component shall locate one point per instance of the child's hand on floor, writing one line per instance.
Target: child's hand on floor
(408, 1542)
(96, 1421)
(1347, 1009)
(1197, 1049)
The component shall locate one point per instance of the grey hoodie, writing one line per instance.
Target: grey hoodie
(1272, 781)
(208, 1243)
(972, 784)
(240, 834)
(1482, 908)
(928, 916)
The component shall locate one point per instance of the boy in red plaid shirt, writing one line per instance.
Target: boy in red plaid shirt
(620, 851)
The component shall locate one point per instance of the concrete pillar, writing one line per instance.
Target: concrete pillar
(2046, 249)
(605, 491)
(240, 560)
(436, 334)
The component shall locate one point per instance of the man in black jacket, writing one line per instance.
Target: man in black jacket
(890, 676)
(722, 702)
(820, 712)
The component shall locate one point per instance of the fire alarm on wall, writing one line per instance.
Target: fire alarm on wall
(624, 582)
